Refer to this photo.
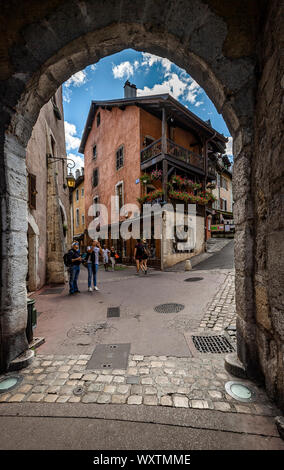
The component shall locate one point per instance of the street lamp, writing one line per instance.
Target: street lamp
(70, 164)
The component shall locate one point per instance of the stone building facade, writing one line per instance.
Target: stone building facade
(78, 223)
(234, 51)
(48, 197)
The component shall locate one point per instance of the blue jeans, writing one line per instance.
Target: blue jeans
(90, 273)
(95, 270)
(73, 278)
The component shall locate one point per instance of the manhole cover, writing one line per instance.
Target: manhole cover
(113, 312)
(9, 382)
(110, 356)
(212, 344)
(169, 308)
(193, 279)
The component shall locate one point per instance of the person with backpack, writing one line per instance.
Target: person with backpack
(73, 261)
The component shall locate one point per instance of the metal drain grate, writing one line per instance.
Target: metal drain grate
(212, 344)
(169, 308)
(113, 312)
(193, 279)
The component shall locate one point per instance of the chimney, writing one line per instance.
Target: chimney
(77, 174)
(130, 91)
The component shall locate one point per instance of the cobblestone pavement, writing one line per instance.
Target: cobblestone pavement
(160, 380)
(186, 382)
(221, 311)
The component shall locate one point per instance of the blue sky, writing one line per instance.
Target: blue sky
(151, 74)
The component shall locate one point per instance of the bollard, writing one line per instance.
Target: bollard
(187, 266)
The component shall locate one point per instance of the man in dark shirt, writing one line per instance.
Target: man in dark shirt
(74, 269)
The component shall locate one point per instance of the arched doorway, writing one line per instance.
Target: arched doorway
(218, 44)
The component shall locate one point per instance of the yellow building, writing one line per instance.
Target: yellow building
(78, 208)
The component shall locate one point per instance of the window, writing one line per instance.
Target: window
(95, 202)
(119, 157)
(77, 218)
(224, 183)
(223, 204)
(82, 192)
(94, 152)
(77, 194)
(95, 177)
(98, 119)
(83, 220)
(120, 196)
(32, 191)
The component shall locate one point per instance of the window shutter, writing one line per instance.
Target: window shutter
(32, 191)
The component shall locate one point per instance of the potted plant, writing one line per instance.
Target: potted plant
(156, 175)
(145, 178)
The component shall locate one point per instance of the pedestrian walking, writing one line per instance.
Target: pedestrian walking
(97, 251)
(74, 259)
(88, 264)
(145, 256)
(138, 255)
(106, 253)
(112, 257)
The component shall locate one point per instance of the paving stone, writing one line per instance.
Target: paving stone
(137, 358)
(110, 389)
(46, 363)
(121, 399)
(50, 398)
(96, 387)
(119, 379)
(144, 370)
(199, 404)
(66, 390)
(123, 389)
(132, 371)
(136, 390)
(180, 402)
(39, 388)
(215, 394)
(89, 377)
(162, 380)
(150, 391)
(53, 389)
(132, 364)
(24, 388)
(156, 364)
(81, 363)
(90, 398)
(17, 398)
(76, 376)
(134, 400)
(60, 382)
(104, 378)
(166, 400)
(243, 409)
(118, 372)
(147, 381)
(64, 375)
(37, 371)
(151, 400)
(104, 398)
(222, 406)
(36, 397)
(63, 399)
(74, 400)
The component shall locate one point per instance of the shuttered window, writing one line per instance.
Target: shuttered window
(32, 191)
(119, 158)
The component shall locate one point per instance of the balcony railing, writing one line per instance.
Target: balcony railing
(173, 150)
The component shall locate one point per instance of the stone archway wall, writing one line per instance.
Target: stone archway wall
(225, 47)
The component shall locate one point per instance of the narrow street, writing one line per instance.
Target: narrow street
(169, 395)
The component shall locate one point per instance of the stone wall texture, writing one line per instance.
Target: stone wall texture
(233, 50)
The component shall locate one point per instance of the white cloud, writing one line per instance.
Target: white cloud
(229, 146)
(125, 69)
(72, 142)
(150, 59)
(77, 79)
(79, 162)
(93, 67)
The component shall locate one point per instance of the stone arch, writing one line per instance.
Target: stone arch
(230, 50)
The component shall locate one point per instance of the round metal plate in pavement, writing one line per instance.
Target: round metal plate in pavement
(193, 279)
(169, 308)
(78, 391)
(240, 391)
(9, 382)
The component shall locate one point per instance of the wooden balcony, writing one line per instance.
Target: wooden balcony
(173, 152)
